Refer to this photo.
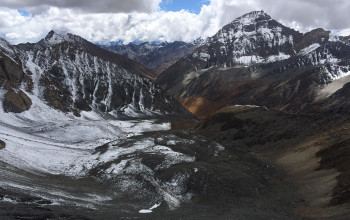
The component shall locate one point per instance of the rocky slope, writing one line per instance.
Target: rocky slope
(311, 152)
(255, 60)
(73, 75)
(157, 57)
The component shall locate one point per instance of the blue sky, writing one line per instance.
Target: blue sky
(193, 6)
(24, 13)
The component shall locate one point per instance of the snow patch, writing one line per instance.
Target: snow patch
(333, 38)
(145, 211)
(279, 57)
(9, 200)
(48, 140)
(248, 59)
(309, 49)
(204, 56)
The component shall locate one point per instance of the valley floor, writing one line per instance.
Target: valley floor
(241, 163)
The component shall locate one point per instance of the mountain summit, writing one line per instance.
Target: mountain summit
(252, 38)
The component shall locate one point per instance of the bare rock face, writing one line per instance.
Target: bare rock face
(12, 77)
(10, 71)
(16, 102)
(2, 144)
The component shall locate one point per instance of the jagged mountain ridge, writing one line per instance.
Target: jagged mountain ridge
(256, 60)
(157, 57)
(73, 75)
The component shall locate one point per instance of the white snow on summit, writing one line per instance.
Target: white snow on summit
(56, 38)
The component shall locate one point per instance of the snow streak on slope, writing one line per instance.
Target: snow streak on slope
(73, 75)
(43, 143)
(309, 49)
(48, 140)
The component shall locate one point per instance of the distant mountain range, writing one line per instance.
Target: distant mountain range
(157, 56)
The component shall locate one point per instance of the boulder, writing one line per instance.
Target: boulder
(16, 102)
(2, 144)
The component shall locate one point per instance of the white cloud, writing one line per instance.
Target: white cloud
(13, 36)
(145, 21)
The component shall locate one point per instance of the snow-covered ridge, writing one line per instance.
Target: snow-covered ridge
(316, 54)
(274, 58)
(251, 17)
(200, 41)
(309, 49)
(333, 38)
(247, 60)
(53, 38)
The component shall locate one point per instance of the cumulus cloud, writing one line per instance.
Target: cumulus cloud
(128, 21)
(330, 14)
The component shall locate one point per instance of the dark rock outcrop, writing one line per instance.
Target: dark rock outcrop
(2, 144)
(11, 72)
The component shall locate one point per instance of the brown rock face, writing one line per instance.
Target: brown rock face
(315, 36)
(10, 71)
(16, 102)
(2, 144)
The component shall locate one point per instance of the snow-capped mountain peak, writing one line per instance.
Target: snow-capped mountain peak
(252, 17)
(252, 38)
(53, 38)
